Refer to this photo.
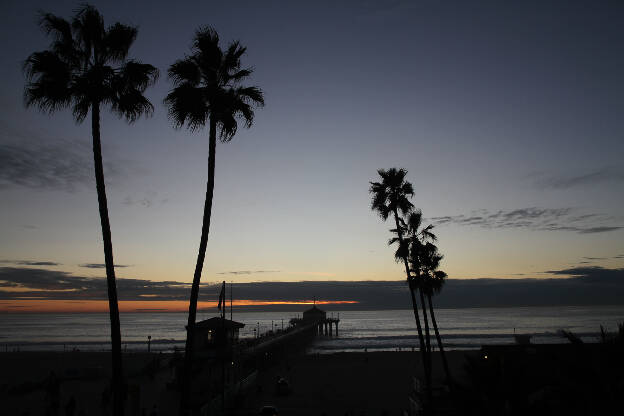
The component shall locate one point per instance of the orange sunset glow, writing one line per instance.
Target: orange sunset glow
(72, 306)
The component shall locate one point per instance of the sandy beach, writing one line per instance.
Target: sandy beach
(25, 380)
(347, 383)
(333, 384)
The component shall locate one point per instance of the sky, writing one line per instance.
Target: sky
(507, 116)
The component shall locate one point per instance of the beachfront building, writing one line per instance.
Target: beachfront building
(322, 324)
(314, 314)
(216, 332)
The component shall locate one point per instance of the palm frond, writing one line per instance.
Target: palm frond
(135, 75)
(239, 75)
(50, 79)
(56, 27)
(81, 107)
(427, 234)
(231, 58)
(227, 126)
(60, 31)
(131, 104)
(88, 28)
(404, 205)
(117, 40)
(187, 105)
(378, 202)
(206, 47)
(414, 220)
(185, 71)
(402, 251)
(250, 95)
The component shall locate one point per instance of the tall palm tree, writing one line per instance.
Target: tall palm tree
(415, 237)
(207, 90)
(432, 282)
(85, 67)
(391, 196)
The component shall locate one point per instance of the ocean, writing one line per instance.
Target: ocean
(463, 328)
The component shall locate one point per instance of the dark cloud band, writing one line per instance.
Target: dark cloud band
(31, 262)
(601, 176)
(539, 219)
(576, 286)
(100, 265)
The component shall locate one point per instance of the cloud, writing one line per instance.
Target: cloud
(592, 273)
(237, 272)
(587, 260)
(31, 262)
(100, 265)
(604, 175)
(576, 286)
(45, 166)
(533, 218)
(56, 284)
(29, 226)
(593, 230)
(52, 164)
(145, 200)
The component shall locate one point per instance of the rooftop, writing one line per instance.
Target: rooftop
(218, 323)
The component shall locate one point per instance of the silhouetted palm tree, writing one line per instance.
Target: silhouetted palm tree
(207, 90)
(391, 196)
(416, 236)
(84, 68)
(432, 281)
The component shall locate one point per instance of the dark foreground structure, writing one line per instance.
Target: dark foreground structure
(562, 379)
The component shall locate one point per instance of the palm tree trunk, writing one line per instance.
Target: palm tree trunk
(449, 379)
(423, 352)
(425, 318)
(427, 334)
(113, 308)
(189, 347)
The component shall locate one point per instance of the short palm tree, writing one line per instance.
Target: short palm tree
(432, 281)
(86, 67)
(207, 90)
(391, 197)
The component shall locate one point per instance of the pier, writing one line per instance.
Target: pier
(317, 320)
(246, 357)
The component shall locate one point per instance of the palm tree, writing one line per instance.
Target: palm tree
(432, 282)
(207, 90)
(416, 236)
(85, 67)
(390, 196)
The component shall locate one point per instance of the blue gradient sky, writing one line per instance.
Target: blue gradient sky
(508, 118)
